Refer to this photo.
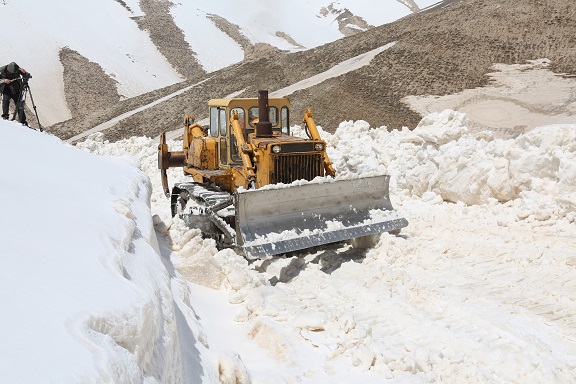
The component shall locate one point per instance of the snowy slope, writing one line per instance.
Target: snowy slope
(106, 33)
(260, 21)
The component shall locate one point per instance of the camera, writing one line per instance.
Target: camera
(25, 77)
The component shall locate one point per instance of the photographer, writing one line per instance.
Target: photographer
(12, 78)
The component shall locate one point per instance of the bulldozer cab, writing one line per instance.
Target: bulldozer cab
(221, 111)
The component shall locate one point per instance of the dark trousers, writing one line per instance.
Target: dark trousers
(6, 107)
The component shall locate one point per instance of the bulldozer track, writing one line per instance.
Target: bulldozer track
(203, 194)
(210, 202)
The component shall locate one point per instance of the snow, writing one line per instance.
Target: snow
(339, 69)
(100, 284)
(478, 288)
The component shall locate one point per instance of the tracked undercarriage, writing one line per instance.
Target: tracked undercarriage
(206, 208)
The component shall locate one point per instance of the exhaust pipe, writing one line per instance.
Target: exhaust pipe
(263, 126)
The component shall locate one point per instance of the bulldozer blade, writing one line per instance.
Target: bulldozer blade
(280, 220)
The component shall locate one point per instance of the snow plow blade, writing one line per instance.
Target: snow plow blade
(275, 221)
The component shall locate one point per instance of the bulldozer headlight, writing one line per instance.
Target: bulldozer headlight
(276, 149)
(318, 146)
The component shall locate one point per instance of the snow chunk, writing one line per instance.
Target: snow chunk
(442, 127)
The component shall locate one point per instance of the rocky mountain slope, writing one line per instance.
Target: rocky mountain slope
(440, 51)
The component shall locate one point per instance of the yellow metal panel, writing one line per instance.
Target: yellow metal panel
(202, 153)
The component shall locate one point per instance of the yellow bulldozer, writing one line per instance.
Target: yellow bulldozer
(255, 187)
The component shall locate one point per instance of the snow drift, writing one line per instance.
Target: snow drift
(86, 295)
(536, 170)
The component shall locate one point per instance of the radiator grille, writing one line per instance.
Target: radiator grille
(291, 167)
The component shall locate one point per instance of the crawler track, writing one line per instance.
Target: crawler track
(207, 209)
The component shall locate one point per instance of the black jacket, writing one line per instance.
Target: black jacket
(13, 87)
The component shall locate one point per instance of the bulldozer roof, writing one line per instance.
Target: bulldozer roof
(247, 102)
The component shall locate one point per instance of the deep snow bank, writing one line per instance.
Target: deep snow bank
(537, 170)
(85, 294)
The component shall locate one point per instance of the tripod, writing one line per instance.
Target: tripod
(24, 91)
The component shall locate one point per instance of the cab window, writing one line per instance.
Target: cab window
(214, 121)
(284, 120)
(222, 122)
(234, 154)
(253, 116)
(241, 116)
(273, 115)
